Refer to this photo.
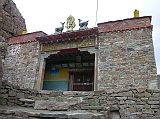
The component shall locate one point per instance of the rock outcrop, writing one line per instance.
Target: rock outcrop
(11, 21)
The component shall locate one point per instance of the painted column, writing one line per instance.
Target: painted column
(39, 83)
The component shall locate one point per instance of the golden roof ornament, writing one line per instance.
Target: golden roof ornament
(70, 24)
(24, 32)
(136, 13)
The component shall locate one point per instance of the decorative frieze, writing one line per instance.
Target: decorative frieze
(66, 45)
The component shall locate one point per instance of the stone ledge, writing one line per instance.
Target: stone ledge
(29, 112)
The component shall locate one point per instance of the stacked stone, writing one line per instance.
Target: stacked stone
(126, 55)
(21, 64)
(11, 21)
(12, 95)
(126, 104)
(3, 50)
(158, 78)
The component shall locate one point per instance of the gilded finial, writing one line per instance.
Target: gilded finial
(136, 13)
(24, 32)
(70, 24)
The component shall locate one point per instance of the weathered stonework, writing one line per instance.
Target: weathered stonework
(22, 65)
(22, 61)
(3, 47)
(126, 56)
(11, 21)
(124, 71)
(3, 50)
(158, 78)
(134, 103)
(123, 49)
(67, 45)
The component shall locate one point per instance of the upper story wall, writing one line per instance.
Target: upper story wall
(22, 59)
(126, 54)
(126, 24)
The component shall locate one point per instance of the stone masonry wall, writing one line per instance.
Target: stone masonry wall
(134, 103)
(21, 64)
(11, 21)
(126, 55)
(3, 50)
(158, 78)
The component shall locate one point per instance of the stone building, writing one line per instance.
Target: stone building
(114, 55)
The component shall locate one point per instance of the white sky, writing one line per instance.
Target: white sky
(45, 15)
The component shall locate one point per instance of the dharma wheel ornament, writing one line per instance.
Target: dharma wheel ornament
(70, 24)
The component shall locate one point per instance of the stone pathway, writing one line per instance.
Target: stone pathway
(30, 113)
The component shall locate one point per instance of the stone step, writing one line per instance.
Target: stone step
(57, 103)
(29, 113)
(27, 102)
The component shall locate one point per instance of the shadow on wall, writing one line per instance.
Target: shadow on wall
(114, 115)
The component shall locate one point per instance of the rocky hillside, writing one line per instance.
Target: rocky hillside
(11, 21)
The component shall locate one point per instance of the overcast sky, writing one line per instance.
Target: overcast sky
(45, 15)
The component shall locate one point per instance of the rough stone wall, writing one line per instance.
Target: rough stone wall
(134, 103)
(11, 21)
(158, 78)
(1, 69)
(22, 61)
(21, 64)
(3, 50)
(126, 55)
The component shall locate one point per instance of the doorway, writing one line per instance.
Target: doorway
(69, 70)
